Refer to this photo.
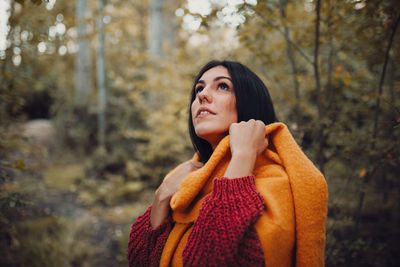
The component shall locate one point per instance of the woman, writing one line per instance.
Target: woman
(249, 196)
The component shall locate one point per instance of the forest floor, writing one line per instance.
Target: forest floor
(92, 230)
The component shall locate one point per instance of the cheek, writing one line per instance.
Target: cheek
(233, 111)
(192, 108)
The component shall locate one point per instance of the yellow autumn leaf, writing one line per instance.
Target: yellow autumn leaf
(363, 172)
(347, 78)
(19, 164)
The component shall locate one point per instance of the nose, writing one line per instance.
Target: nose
(205, 95)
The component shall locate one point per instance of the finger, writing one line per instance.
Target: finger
(259, 122)
(232, 126)
(197, 164)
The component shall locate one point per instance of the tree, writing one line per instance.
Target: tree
(156, 28)
(292, 62)
(83, 65)
(101, 77)
(318, 89)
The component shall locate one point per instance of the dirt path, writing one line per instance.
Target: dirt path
(93, 235)
(82, 229)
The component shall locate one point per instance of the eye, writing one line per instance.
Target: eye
(223, 86)
(198, 89)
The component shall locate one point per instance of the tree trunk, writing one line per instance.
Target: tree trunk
(289, 52)
(376, 121)
(320, 99)
(331, 51)
(8, 51)
(83, 79)
(156, 29)
(101, 77)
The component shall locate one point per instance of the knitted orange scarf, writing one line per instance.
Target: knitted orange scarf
(292, 226)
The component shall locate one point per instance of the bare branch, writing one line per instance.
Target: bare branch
(268, 22)
(376, 119)
(382, 79)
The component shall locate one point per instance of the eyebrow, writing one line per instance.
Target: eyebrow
(216, 79)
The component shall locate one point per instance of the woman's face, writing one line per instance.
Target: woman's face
(214, 107)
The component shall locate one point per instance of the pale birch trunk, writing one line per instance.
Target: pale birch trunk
(156, 28)
(101, 76)
(83, 80)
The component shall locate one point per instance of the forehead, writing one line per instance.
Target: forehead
(214, 72)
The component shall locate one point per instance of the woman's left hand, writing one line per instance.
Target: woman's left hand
(247, 140)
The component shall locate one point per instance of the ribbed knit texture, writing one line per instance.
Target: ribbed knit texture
(222, 235)
(145, 243)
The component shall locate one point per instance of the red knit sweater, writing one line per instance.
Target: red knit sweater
(222, 235)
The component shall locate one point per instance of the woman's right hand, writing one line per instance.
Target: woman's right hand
(247, 140)
(164, 193)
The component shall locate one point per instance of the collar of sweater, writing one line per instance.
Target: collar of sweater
(195, 187)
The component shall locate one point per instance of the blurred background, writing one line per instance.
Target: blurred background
(93, 114)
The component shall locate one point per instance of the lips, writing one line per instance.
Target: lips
(204, 112)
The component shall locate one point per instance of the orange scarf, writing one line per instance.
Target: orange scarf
(292, 226)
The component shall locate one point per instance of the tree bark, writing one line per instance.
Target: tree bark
(320, 99)
(101, 77)
(156, 29)
(83, 79)
(289, 52)
(331, 51)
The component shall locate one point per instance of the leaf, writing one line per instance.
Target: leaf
(363, 172)
(19, 164)
(347, 78)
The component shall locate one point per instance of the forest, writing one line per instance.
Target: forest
(94, 98)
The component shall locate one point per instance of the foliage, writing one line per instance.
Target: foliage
(147, 109)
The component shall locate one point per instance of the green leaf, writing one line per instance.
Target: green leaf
(19, 164)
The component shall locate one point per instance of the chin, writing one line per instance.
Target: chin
(210, 136)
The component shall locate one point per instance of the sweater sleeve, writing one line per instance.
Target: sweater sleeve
(145, 243)
(224, 234)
